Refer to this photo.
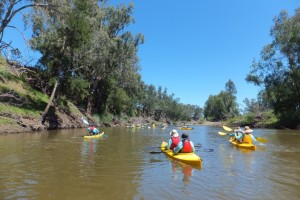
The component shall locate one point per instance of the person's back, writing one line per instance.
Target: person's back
(248, 137)
(185, 146)
(174, 140)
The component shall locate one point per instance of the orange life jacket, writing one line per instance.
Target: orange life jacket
(175, 141)
(187, 147)
(247, 138)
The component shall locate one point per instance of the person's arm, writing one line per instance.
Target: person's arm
(96, 130)
(178, 147)
(193, 147)
(253, 138)
(169, 144)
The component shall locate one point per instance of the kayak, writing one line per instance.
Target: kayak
(93, 136)
(242, 145)
(189, 158)
(186, 128)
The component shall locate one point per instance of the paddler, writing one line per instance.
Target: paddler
(237, 134)
(174, 140)
(247, 136)
(184, 146)
(93, 130)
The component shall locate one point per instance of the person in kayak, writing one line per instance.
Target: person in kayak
(184, 146)
(174, 140)
(247, 136)
(93, 130)
(237, 135)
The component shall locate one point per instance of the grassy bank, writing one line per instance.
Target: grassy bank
(21, 105)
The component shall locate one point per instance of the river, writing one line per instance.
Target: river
(62, 165)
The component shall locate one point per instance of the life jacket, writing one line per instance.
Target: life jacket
(247, 138)
(238, 135)
(95, 131)
(92, 128)
(187, 147)
(175, 141)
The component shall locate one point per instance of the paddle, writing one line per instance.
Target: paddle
(84, 121)
(226, 128)
(155, 152)
(259, 139)
(222, 133)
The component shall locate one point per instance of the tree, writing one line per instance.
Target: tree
(60, 34)
(8, 10)
(278, 70)
(222, 106)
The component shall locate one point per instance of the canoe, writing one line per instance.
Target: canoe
(186, 128)
(242, 145)
(189, 158)
(93, 136)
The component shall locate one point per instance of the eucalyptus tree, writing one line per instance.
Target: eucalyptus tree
(8, 10)
(149, 102)
(61, 34)
(278, 70)
(115, 60)
(214, 108)
(223, 105)
(82, 42)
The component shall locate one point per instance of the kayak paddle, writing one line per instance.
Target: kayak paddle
(222, 133)
(226, 128)
(263, 140)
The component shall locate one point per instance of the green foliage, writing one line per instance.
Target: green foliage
(222, 106)
(86, 48)
(7, 121)
(278, 70)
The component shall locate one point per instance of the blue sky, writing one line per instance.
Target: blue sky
(194, 47)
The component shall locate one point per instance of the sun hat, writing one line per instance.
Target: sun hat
(184, 135)
(174, 133)
(248, 130)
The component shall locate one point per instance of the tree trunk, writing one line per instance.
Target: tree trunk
(49, 103)
(89, 106)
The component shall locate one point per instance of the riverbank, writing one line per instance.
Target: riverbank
(67, 120)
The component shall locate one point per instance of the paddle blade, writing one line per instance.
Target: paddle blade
(155, 152)
(222, 133)
(85, 121)
(259, 139)
(226, 128)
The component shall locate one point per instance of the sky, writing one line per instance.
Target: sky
(194, 47)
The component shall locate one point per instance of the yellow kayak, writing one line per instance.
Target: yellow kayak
(186, 128)
(189, 158)
(93, 136)
(242, 145)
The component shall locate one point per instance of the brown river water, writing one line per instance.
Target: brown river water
(62, 165)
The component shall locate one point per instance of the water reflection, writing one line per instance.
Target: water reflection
(183, 170)
(88, 150)
(62, 165)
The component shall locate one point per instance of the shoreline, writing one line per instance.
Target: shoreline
(16, 129)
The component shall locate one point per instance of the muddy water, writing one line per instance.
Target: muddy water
(62, 165)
